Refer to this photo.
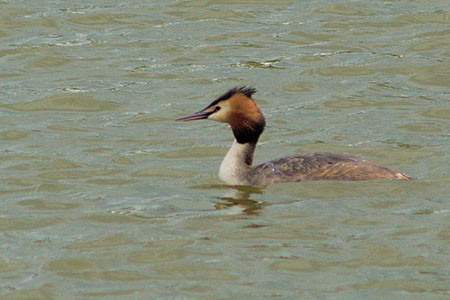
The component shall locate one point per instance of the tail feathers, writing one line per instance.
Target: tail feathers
(400, 176)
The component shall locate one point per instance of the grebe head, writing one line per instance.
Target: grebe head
(237, 108)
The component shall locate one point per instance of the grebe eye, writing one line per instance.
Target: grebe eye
(217, 109)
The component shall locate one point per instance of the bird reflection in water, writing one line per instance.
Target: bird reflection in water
(237, 200)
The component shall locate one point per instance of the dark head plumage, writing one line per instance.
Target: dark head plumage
(237, 108)
(247, 91)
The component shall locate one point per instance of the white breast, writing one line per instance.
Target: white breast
(234, 167)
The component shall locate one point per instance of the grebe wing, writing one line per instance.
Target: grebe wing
(322, 166)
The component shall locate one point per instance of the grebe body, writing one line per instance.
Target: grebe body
(237, 108)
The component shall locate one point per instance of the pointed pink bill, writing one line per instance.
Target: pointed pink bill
(200, 115)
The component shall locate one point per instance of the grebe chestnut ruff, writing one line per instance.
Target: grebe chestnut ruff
(247, 122)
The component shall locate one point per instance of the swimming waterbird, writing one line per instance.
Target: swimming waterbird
(237, 108)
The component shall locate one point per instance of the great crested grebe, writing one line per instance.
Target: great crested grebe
(247, 122)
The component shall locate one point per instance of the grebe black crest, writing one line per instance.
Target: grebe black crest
(237, 108)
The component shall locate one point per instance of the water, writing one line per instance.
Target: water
(104, 196)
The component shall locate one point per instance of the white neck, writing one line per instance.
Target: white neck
(237, 164)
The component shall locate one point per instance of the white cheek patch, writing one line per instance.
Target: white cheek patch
(214, 117)
(219, 116)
